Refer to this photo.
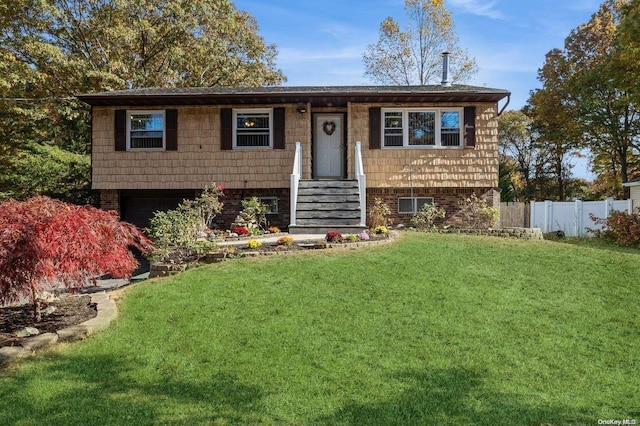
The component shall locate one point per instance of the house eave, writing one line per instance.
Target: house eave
(317, 97)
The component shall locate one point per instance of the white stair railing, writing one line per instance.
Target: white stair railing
(362, 184)
(295, 180)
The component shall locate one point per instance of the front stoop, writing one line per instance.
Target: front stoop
(327, 205)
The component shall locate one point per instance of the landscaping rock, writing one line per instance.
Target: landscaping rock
(27, 331)
(9, 353)
(41, 341)
(70, 334)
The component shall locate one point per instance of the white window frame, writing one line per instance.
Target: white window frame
(414, 204)
(438, 127)
(252, 111)
(164, 128)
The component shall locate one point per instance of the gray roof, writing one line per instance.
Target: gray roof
(632, 182)
(317, 95)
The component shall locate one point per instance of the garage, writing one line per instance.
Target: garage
(137, 207)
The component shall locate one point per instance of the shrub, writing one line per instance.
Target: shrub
(477, 214)
(379, 214)
(285, 241)
(380, 230)
(274, 229)
(352, 238)
(253, 244)
(253, 213)
(333, 237)
(181, 226)
(241, 231)
(45, 242)
(256, 231)
(207, 205)
(364, 236)
(425, 219)
(620, 228)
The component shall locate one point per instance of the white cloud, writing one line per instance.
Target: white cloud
(478, 7)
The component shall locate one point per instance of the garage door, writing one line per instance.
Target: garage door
(138, 207)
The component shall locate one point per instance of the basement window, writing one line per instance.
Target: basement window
(412, 205)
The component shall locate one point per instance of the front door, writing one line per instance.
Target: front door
(328, 147)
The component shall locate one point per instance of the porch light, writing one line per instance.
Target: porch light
(301, 109)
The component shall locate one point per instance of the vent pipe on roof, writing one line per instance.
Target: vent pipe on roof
(445, 70)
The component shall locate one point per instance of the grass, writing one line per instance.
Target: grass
(431, 329)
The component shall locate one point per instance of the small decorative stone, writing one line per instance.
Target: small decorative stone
(49, 310)
(27, 331)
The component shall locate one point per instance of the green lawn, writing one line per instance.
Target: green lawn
(432, 329)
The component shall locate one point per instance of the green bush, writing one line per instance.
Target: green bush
(175, 232)
(477, 213)
(425, 219)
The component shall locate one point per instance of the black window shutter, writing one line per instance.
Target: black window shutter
(226, 128)
(171, 133)
(278, 128)
(120, 130)
(470, 126)
(374, 128)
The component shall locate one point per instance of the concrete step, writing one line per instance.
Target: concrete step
(327, 191)
(333, 214)
(334, 199)
(328, 184)
(311, 229)
(316, 206)
(328, 222)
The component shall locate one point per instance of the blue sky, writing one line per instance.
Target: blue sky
(321, 42)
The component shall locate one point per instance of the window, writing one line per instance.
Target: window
(409, 205)
(411, 128)
(145, 130)
(252, 128)
(272, 202)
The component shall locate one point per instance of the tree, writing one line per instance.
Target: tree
(51, 50)
(517, 143)
(627, 54)
(45, 243)
(589, 100)
(609, 117)
(413, 56)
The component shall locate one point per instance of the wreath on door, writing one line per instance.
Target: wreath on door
(329, 127)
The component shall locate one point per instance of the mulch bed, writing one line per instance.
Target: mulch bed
(70, 310)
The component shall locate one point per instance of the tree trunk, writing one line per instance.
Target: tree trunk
(37, 305)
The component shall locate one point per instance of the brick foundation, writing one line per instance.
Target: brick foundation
(110, 200)
(232, 206)
(447, 198)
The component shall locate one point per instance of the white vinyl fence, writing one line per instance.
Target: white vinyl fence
(573, 217)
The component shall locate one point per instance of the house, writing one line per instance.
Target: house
(634, 191)
(319, 156)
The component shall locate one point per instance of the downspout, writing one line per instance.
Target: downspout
(505, 105)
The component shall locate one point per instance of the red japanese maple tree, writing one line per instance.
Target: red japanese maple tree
(45, 243)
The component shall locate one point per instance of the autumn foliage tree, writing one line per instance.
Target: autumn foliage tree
(45, 243)
(52, 50)
(413, 56)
